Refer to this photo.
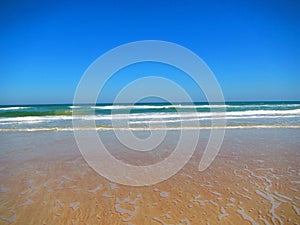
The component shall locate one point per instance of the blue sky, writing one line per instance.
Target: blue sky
(253, 47)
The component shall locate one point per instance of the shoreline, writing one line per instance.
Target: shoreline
(254, 179)
(152, 129)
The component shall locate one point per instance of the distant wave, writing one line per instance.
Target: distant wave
(206, 118)
(139, 118)
(239, 115)
(14, 108)
(152, 115)
(51, 110)
(31, 119)
(116, 107)
(190, 106)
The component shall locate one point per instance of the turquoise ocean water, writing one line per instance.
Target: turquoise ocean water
(238, 115)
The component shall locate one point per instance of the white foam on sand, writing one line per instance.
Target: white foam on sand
(74, 205)
(266, 169)
(293, 189)
(246, 217)
(297, 210)
(236, 174)
(167, 215)
(113, 186)
(215, 193)
(245, 189)
(186, 175)
(57, 204)
(156, 190)
(229, 205)
(197, 196)
(267, 180)
(10, 219)
(203, 202)
(106, 195)
(69, 179)
(213, 203)
(127, 200)
(71, 187)
(160, 221)
(242, 195)
(264, 220)
(185, 220)
(96, 189)
(283, 196)
(274, 205)
(224, 214)
(123, 211)
(164, 194)
(28, 202)
(232, 199)
(25, 191)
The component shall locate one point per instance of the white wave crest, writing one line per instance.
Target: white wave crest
(14, 108)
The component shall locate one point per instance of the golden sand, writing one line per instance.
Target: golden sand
(238, 188)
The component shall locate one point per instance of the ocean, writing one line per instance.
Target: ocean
(154, 115)
(254, 178)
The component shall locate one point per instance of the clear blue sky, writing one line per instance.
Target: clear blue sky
(253, 47)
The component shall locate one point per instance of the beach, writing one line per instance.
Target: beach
(150, 112)
(254, 179)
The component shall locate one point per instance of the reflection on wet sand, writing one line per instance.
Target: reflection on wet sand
(259, 186)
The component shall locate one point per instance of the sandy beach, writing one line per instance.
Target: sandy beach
(150, 112)
(254, 180)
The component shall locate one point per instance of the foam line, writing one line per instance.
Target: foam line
(274, 206)
(246, 217)
(224, 214)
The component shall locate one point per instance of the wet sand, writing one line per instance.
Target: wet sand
(255, 179)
